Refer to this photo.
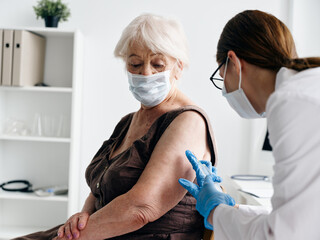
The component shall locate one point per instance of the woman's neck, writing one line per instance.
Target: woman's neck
(267, 88)
(261, 84)
(175, 99)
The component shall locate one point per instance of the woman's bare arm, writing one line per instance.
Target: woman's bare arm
(157, 190)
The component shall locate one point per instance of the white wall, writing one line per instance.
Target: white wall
(305, 27)
(106, 95)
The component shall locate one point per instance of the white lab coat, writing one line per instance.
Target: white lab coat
(293, 115)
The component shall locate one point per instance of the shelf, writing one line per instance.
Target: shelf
(37, 89)
(35, 139)
(47, 32)
(31, 196)
(48, 161)
(9, 232)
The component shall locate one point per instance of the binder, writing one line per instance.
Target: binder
(1, 46)
(7, 53)
(28, 58)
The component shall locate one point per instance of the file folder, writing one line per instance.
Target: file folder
(1, 46)
(28, 58)
(7, 53)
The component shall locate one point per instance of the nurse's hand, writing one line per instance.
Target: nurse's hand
(203, 169)
(207, 195)
(71, 229)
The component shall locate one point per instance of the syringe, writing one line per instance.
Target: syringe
(204, 169)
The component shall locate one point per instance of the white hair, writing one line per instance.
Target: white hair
(159, 34)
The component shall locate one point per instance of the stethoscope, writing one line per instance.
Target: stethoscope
(17, 186)
(248, 177)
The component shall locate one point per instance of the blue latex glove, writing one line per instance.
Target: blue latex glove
(207, 194)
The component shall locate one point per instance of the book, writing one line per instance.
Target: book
(7, 53)
(1, 46)
(28, 58)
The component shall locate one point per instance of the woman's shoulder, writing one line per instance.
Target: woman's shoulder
(127, 117)
(122, 124)
(186, 106)
(194, 119)
(188, 115)
(188, 111)
(125, 120)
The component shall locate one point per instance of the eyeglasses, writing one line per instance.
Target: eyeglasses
(217, 82)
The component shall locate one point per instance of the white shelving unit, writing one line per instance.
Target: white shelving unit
(43, 160)
(35, 139)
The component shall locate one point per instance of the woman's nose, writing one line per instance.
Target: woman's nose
(146, 70)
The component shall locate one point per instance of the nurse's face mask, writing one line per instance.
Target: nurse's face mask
(150, 90)
(238, 99)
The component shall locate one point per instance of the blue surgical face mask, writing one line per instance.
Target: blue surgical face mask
(238, 99)
(150, 90)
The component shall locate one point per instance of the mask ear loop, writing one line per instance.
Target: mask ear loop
(240, 78)
(225, 71)
(179, 65)
(174, 83)
(177, 61)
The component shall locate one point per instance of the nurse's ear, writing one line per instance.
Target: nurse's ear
(234, 62)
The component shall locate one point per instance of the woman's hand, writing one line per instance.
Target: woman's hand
(71, 229)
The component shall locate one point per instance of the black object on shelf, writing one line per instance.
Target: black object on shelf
(42, 85)
(266, 144)
(17, 186)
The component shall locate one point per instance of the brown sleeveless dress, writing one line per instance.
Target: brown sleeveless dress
(109, 178)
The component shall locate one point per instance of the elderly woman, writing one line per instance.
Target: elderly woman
(133, 178)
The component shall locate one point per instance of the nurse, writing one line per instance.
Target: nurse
(263, 77)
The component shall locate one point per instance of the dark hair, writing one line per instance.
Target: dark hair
(262, 40)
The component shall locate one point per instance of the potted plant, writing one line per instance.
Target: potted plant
(52, 12)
